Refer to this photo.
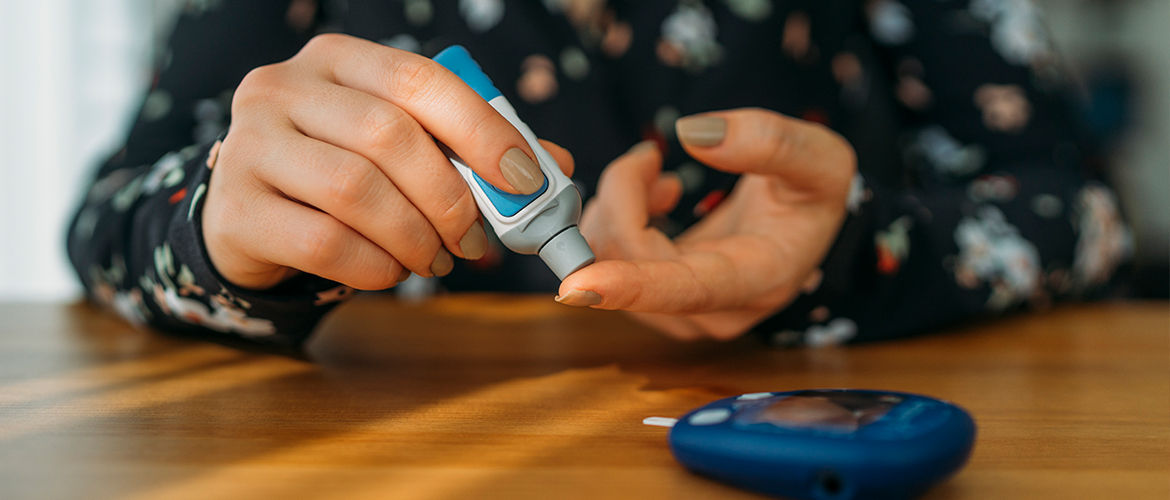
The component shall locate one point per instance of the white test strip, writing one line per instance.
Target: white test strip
(660, 421)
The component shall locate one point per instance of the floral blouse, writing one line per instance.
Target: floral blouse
(977, 192)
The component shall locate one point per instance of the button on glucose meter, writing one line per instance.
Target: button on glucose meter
(825, 444)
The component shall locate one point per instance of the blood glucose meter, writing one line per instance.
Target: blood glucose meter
(825, 444)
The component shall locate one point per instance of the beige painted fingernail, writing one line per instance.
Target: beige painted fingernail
(443, 263)
(521, 172)
(701, 130)
(474, 243)
(642, 146)
(580, 298)
(404, 275)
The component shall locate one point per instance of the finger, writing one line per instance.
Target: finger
(406, 155)
(562, 156)
(807, 155)
(676, 327)
(353, 190)
(665, 193)
(732, 273)
(624, 186)
(658, 286)
(299, 237)
(441, 102)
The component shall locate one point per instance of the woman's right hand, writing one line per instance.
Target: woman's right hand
(330, 168)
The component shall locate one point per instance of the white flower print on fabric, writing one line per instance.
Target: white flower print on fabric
(574, 63)
(1103, 242)
(893, 245)
(104, 288)
(1016, 32)
(992, 251)
(911, 90)
(889, 22)
(199, 192)
(130, 306)
(688, 38)
(167, 172)
(797, 40)
(994, 188)
(418, 12)
(403, 41)
(752, 10)
(854, 80)
(481, 15)
(178, 299)
(1005, 108)
(157, 105)
(858, 194)
(836, 332)
(538, 79)
(947, 155)
(1047, 206)
(105, 188)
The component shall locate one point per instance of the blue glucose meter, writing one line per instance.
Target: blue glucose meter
(825, 444)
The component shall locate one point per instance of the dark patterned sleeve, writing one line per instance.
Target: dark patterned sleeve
(1002, 210)
(136, 241)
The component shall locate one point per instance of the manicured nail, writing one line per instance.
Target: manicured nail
(474, 243)
(443, 263)
(579, 298)
(642, 146)
(521, 172)
(701, 130)
(404, 275)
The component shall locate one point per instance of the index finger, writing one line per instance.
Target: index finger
(439, 100)
(806, 154)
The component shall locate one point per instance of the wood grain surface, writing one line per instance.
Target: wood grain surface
(490, 396)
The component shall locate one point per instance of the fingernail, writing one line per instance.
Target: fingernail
(701, 130)
(521, 172)
(443, 263)
(642, 146)
(404, 275)
(474, 243)
(579, 298)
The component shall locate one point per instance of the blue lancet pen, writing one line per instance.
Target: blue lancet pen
(542, 223)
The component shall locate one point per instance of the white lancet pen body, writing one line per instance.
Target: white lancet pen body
(542, 223)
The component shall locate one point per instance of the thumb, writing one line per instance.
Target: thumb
(806, 155)
(561, 155)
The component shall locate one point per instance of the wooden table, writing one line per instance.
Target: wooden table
(488, 396)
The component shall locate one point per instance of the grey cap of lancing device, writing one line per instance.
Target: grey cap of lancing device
(567, 252)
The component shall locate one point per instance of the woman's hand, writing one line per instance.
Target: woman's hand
(330, 168)
(744, 261)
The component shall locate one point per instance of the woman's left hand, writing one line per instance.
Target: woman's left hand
(745, 260)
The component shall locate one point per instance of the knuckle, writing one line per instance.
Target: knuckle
(386, 131)
(458, 206)
(351, 181)
(260, 91)
(323, 43)
(413, 77)
(781, 143)
(320, 248)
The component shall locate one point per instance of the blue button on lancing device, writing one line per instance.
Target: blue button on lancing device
(825, 444)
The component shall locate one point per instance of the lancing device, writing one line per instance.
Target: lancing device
(542, 223)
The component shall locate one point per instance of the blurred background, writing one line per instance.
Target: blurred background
(72, 73)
